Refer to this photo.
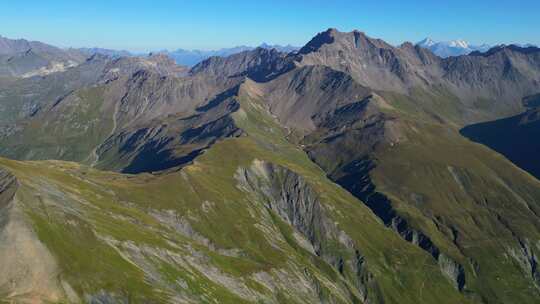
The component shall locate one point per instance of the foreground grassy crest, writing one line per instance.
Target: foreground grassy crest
(195, 236)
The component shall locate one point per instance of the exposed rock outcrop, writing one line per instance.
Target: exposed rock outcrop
(291, 197)
(527, 259)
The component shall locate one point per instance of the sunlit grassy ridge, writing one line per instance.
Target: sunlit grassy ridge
(193, 234)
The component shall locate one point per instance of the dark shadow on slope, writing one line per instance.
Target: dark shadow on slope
(218, 99)
(149, 160)
(170, 150)
(357, 181)
(515, 137)
(353, 133)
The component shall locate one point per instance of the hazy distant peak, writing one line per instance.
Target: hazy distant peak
(193, 57)
(107, 52)
(451, 48)
(427, 42)
(458, 43)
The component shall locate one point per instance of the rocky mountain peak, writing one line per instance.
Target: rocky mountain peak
(346, 41)
(259, 64)
(320, 39)
(407, 45)
(426, 42)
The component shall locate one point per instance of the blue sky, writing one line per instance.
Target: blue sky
(151, 25)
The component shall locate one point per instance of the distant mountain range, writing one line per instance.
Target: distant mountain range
(459, 47)
(446, 49)
(190, 57)
(107, 52)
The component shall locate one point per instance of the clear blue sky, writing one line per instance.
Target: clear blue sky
(158, 24)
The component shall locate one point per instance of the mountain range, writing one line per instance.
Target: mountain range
(347, 171)
(191, 57)
(107, 52)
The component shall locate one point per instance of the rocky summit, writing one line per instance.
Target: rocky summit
(348, 171)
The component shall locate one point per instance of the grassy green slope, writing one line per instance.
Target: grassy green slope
(470, 201)
(193, 235)
(69, 131)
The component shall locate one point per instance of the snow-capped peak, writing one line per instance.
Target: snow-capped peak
(427, 42)
(459, 43)
(451, 48)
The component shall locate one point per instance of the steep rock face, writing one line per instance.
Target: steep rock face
(8, 187)
(294, 201)
(161, 122)
(146, 95)
(303, 97)
(527, 259)
(169, 141)
(260, 64)
(355, 130)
